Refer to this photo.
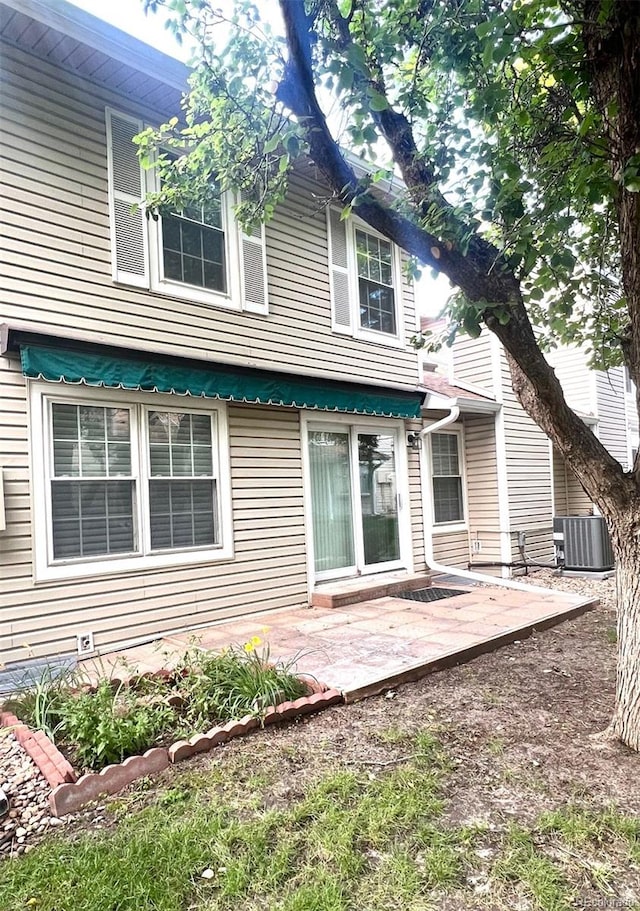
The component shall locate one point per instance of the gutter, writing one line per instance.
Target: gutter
(428, 534)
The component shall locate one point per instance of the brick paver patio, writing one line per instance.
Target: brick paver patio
(366, 647)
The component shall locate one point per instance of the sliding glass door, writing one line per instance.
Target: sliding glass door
(331, 500)
(378, 498)
(354, 499)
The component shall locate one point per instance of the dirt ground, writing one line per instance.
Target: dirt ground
(518, 725)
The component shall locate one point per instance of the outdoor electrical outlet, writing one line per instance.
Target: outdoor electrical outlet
(476, 545)
(85, 643)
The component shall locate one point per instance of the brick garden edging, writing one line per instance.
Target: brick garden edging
(200, 743)
(69, 794)
(46, 755)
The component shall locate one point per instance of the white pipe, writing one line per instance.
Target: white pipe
(453, 415)
(454, 570)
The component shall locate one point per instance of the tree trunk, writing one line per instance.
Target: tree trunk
(625, 724)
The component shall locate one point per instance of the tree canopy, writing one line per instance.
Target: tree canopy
(515, 128)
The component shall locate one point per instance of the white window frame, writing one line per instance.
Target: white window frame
(47, 570)
(458, 524)
(397, 340)
(153, 280)
(372, 335)
(231, 298)
(355, 424)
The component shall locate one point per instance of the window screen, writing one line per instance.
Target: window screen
(447, 481)
(375, 283)
(182, 487)
(92, 490)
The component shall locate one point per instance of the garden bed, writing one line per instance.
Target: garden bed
(94, 739)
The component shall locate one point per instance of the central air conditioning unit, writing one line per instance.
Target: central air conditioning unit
(582, 543)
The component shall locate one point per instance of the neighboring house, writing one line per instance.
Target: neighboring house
(195, 423)
(516, 481)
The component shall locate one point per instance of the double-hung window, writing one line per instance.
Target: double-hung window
(194, 246)
(198, 253)
(376, 295)
(446, 474)
(365, 281)
(132, 482)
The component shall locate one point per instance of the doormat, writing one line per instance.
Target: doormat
(433, 593)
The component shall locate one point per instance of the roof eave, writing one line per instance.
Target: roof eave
(89, 30)
(434, 401)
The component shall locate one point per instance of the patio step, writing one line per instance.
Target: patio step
(367, 588)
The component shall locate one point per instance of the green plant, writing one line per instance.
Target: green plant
(112, 723)
(109, 722)
(40, 701)
(239, 681)
(611, 635)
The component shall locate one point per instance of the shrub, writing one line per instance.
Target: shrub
(107, 723)
(110, 724)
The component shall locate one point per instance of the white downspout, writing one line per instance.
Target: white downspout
(428, 530)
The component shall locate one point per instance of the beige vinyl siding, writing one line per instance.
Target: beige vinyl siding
(633, 427)
(451, 548)
(56, 256)
(482, 486)
(538, 545)
(528, 460)
(577, 380)
(15, 541)
(472, 360)
(268, 571)
(569, 497)
(415, 501)
(612, 426)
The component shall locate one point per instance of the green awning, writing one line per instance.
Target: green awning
(214, 381)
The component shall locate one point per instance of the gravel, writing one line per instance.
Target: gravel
(604, 589)
(30, 816)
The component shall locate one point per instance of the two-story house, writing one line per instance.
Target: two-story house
(195, 423)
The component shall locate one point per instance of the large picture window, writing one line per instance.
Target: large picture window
(125, 484)
(448, 501)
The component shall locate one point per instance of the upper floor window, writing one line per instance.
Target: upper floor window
(198, 253)
(194, 248)
(365, 281)
(375, 283)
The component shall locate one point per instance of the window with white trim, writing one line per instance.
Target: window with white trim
(194, 247)
(365, 280)
(199, 253)
(129, 482)
(446, 476)
(376, 295)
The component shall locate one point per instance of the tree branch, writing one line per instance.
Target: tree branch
(481, 273)
(479, 278)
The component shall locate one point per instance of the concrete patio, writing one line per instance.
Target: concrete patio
(380, 640)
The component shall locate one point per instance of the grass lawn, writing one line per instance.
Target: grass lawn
(354, 839)
(476, 789)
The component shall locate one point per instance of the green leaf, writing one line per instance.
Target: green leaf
(378, 102)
